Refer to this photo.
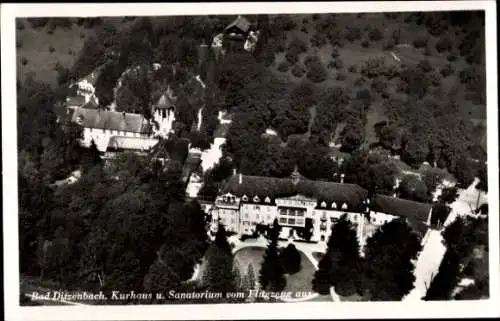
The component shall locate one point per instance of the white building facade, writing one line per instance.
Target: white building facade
(242, 211)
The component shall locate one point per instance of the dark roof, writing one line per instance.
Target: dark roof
(241, 23)
(417, 213)
(111, 120)
(329, 192)
(160, 150)
(166, 100)
(92, 104)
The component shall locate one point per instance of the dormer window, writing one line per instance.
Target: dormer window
(334, 205)
(323, 204)
(256, 199)
(245, 198)
(268, 200)
(344, 206)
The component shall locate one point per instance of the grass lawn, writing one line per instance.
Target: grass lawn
(302, 280)
(298, 282)
(34, 46)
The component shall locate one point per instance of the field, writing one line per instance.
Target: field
(39, 50)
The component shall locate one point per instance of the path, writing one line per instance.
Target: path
(430, 257)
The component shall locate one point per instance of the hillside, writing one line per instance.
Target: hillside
(43, 44)
(368, 36)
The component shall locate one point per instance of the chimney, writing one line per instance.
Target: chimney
(342, 178)
(240, 179)
(235, 171)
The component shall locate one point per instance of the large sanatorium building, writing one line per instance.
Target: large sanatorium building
(244, 202)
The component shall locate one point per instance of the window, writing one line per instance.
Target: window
(334, 205)
(245, 198)
(282, 220)
(344, 206)
(256, 199)
(323, 204)
(90, 129)
(268, 200)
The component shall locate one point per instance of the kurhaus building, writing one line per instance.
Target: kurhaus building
(305, 207)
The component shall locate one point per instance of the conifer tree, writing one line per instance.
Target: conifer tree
(340, 266)
(220, 275)
(388, 261)
(271, 273)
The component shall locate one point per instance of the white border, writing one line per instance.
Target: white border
(316, 310)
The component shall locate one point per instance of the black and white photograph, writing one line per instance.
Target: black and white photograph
(250, 157)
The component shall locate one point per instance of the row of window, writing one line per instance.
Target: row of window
(292, 211)
(291, 221)
(117, 132)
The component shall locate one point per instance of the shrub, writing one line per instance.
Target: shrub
(297, 45)
(315, 16)
(341, 76)
(51, 49)
(379, 85)
(389, 44)
(359, 81)
(335, 52)
(338, 63)
(37, 23)
(331, 65)
(19, 44)
(24, 61)
(375, 35)
(316, 72)
(451, 57)
(304, 29)
(420, 42)
(290, 259)
(292, 57)
(374, 67)
(447, 70)
(365, 43)
(352, 68)
(444, 44)
(82, 35)
(396, 35)
(283, 66)
(311, 59)
(305, 21)
(385, 94)
(434, 78)
(353, 34)
(428, 50)
(318, 40)
(425, 65)
(298, 71)
(19, 25)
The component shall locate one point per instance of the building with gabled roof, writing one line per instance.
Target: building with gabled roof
(301, 204)
(239, 27)
(101, 125)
